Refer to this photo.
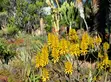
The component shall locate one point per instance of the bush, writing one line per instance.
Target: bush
(6, 51)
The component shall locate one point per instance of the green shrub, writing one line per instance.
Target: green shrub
(11, 29)
(6, 52)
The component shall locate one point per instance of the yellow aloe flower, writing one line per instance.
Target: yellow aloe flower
(85, 43)
(74, 49)
(73, 35)
(45, 54)
(105, 59)
(98, 40)
(85, 37)
(84, 47)
(55, 55)
(50, 37)
(63, 46)
(105, 46)
(68, 67)
(91, 42)
(38, 60)
(41, 59)
(45, 75)
(105, 62)
(53, 40)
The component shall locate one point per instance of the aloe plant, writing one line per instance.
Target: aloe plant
(68, 13)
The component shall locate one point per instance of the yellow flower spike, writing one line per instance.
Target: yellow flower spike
(45, 75)
(45, 54)
(68, 67)
(73, 35)
(98, 40)
(106, 56)
(42, 57)
(84, 47)
(74, 49)
(39, 62)
(105, 46)
(106, 60)
(63, 46)
(42, 61)
(37, 59)
(85, 37)
(105, 63)
(91, 42)
(50, 37)
(55, 55)
(53, 40)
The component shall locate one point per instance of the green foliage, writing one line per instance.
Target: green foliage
(48, 21)
(69, 14)
(6, 51)
(31, 8)
(34, 78)
(39, 4)
(12, 29)
(24, 15)
(28, 12)
(3, 4)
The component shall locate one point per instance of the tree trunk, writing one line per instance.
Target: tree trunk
(100, 18)
(109, 20)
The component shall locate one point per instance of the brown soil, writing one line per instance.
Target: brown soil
(3, 78)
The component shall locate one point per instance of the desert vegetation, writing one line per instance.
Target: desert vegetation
(55, 41)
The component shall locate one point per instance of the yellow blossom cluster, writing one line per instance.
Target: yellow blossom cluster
(45, 75)
(64, 46)
(105, 46)
(81, 44)
(68, 67)
(42, 57)
(74, 49)
(84, 43)
(53, 40)
(58, 47)
(73, 35)
(91, 42)
(97, 40)
(105, 62)
(72, 45)
(55, 55)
